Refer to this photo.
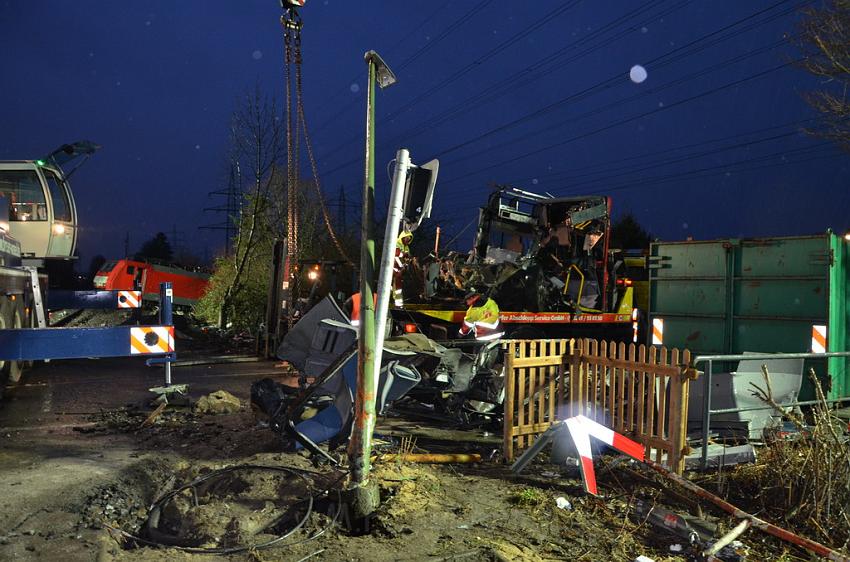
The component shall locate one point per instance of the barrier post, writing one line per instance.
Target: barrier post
(166, 295)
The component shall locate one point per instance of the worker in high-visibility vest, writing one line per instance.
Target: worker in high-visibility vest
(482, 318)
(402, 256)
(354, 302)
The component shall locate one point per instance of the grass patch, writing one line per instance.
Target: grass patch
(528, 497)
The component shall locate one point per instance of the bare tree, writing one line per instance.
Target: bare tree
(824, 38)
(258, 141)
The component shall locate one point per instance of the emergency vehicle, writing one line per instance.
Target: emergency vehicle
(38, 230)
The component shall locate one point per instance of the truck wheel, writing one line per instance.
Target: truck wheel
(10, 318)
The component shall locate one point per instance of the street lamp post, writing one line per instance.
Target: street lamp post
(363, 494)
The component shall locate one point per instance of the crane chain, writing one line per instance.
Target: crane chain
(299, 100)
(290, 26)
(293, 24)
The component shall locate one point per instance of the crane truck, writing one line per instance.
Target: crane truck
(38, 229)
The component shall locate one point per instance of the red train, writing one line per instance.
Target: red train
(188, 286)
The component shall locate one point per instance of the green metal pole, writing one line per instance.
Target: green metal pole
(838, 316)
(363, 497)
(360, 446)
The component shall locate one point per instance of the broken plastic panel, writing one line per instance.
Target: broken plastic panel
(419, 192)
(734, 390)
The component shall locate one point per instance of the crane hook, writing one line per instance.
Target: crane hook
(291, 19)
(289, 8)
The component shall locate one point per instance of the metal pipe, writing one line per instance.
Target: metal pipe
(769, 528)
(394, 216)
(780, 278)
(785, 404)
(706, 414)
(360, 446)
(763, 356)
(690, 315)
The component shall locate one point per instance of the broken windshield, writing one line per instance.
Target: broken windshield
(506, 244)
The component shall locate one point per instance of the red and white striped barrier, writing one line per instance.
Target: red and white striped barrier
(581, 430)
(129, 299)
(818, 338)
(151, 339)
(657, 331)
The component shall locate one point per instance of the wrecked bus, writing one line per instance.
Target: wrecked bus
(546, 261)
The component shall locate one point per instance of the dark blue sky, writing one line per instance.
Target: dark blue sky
(535, 93)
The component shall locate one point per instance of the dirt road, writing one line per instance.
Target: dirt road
(76, 467)
(50, 459)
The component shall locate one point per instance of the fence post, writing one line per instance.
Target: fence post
(575, 377)
(674, 423)
(508, 409)
(688, 374)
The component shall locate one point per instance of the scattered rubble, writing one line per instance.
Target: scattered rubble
(802, 483)
(218, 402)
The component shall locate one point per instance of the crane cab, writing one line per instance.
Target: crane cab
(42, 213)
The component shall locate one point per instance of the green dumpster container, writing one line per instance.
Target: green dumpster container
(759, 294)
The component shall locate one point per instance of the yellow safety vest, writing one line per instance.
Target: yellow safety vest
(483, 320)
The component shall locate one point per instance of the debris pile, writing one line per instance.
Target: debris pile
(124, 503)
(802, 483)
(218, 402)
(235, 509)
(532, 253)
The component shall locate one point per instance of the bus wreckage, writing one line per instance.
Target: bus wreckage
(546, 261)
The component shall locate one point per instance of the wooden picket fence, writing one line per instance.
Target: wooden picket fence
(637, 391)
(535, 388)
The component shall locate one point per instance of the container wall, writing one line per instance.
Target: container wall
(732, 296)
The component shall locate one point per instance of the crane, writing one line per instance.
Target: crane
(296, 125)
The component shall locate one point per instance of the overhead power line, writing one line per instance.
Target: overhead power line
(674, 55)
(457, 24)
(781, 155)
(610, 126)
(665, 59)
(681, 159)
(509, 42)
(723, 65)
(667, 161)
(643, 159)
(405, 37)
(541, 66)
(765, 161)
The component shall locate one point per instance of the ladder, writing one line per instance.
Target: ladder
(38, 299)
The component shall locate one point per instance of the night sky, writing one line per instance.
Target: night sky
(537, 94)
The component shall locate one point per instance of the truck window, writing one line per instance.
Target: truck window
(25, 194)
(59, 197)
(131, 269)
